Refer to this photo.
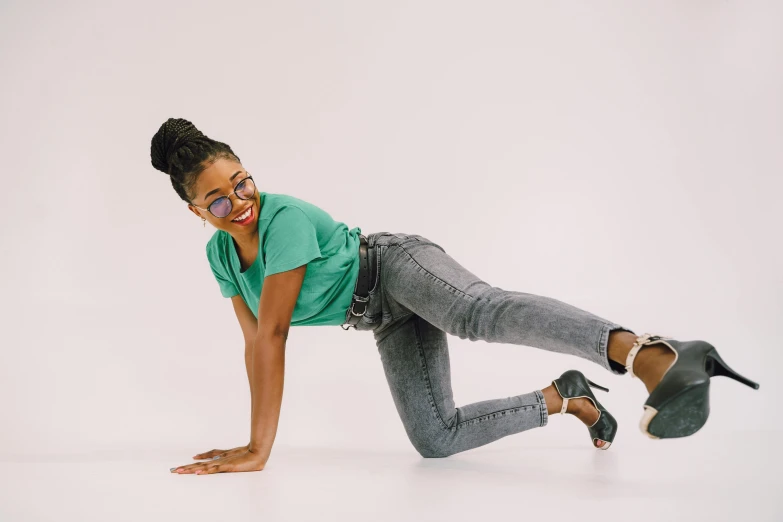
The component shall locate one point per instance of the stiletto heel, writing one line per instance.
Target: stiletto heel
(573, 384)
(594, 385)
(679, 405)
(721, 368)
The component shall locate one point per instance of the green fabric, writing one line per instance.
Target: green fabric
(292, 233)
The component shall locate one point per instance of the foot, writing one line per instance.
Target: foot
(583, 409)
(650, 364)
(580, 407)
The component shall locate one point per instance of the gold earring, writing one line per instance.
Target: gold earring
(204, 220)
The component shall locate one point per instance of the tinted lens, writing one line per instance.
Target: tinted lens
(221, 207)
(245, 188)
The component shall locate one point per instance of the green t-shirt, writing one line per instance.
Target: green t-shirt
(292, 233)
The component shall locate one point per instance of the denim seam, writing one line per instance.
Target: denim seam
(603, 346)
(542, 407)
(492, 415)
(399, 318)
(436, 278)
(377, 269)
(428, 381)
(434, 405)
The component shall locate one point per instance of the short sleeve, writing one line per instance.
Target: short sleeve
(227, 288)
(291, 241)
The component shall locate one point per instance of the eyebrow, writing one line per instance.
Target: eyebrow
(237, 173)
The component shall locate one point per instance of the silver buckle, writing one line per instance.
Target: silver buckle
(354, 313)
(346, 326)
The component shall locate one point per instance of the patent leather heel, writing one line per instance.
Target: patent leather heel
(679, 405)
(721, 368)
(573, 384)
(594, 385)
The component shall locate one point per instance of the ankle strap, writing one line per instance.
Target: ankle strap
(641, 340)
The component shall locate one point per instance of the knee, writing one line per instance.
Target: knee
(437, 454)
(431, 445)
(432, 451)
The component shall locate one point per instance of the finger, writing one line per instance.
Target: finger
(217, 468)
(222, 466)
(217, 456)
(230, 465)
(233, 452)
(188, 468)
(209, 454)
(230, 453)
(221, 453)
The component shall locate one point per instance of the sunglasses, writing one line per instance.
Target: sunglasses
(222, 206)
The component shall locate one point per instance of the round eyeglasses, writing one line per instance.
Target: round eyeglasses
(222, 206)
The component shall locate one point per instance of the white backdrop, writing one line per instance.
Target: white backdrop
(623, 157)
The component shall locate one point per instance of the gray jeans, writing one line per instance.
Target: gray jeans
(421, 294)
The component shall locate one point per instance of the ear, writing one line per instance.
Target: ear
(195, 211)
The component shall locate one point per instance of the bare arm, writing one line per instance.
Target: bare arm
(249, 368)
(249, 325)
(268, 368)
(267, 364)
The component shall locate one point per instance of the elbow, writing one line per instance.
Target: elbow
(276, 334)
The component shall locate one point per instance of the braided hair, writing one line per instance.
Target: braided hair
(182, 152)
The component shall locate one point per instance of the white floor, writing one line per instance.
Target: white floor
(727, 477)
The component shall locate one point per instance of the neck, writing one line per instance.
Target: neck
(246, 242)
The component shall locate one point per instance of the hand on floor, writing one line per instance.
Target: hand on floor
(242, 461)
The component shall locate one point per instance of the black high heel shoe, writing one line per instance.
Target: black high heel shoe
(573, 384)
(679, 405)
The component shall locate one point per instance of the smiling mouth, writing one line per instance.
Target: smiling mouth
(248, 213)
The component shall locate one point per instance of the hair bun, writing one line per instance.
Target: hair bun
(172, 135)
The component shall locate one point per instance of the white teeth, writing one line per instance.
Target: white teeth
(243, 216)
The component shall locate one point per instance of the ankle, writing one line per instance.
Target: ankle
(651, 364)
(620, 344)
(553, 400)
(579, 407)
(583, 409)
(648, 360)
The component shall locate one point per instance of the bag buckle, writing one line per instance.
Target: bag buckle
(361, 314)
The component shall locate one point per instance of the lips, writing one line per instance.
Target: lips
(247, 210)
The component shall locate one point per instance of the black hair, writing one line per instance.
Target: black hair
(182, 152)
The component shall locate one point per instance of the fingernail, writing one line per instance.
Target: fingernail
(213, 458)
(171, 469)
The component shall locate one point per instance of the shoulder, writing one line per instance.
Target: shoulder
(278, 200)
(288, 218)
(293, 207)
(215, 247)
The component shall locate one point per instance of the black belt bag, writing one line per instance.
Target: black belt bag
(363, 282)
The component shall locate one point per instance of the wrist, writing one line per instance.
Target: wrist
(260, 453)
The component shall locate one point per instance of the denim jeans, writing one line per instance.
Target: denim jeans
(421, 294)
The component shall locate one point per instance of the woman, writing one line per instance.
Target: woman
(285, 262)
